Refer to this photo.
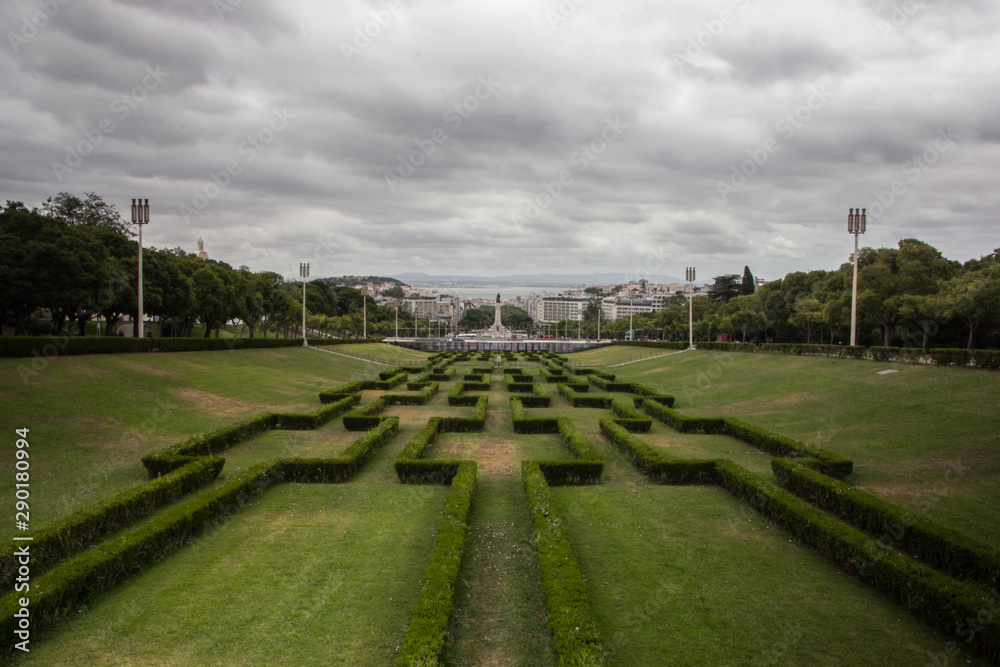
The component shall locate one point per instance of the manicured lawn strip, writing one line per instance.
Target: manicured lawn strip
(682, 575)
(652, 462)
(90, 525)
(931, 543)
(305, 574)
(778, 445)
(171, 458)
(574, 632)
(908, 432)
(83, 577)
(942, 601)
(428, 629)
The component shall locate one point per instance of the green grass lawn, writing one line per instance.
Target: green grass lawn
(689, 576)
(613, 354)
(924, 437)
(677, 575)
(308, 574)
(92, 417)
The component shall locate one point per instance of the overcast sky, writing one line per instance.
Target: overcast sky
(518, 136)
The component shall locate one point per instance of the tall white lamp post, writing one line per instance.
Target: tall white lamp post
(364, 312)
(304, 273)
(856, 222)
(689, 273)
(140, 217)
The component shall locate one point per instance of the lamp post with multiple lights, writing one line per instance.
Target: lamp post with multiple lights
(856, 223)
(689, 274)
(140, 217)
(304, 273)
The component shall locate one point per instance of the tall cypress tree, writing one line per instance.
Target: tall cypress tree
(748, 286)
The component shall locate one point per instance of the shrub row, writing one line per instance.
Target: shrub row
(341, 468)
(530, 425)
(482, 370)
(457, 395)
(367, 416)
(986, 359)
(89, 525)
(521, 387)
(653, 463)
(569, 390)
(950, 605)
(936, 545)
(422, 368)
(467, 424)
(47, 346)
(553, 376)
(428, 629)
(630, 419)
(570, 620)
(390, 373)
(825, 461)
(473, 377)
(412, 469)
(171, 458)
(442, 375)
(313, 420)
(81, 578)
(420, 398)
(339, 392)
(388, 383)
(586, 469)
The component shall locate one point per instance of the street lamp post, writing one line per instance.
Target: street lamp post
(140, 217)
(689, 272)
(364, 313)
(397, 318)
(857, 220)
(304, 273)
(631, 308)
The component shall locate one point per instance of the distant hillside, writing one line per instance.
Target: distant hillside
(538, 279)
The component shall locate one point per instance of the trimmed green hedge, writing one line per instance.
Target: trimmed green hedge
(48, 346)
(630, 419)
(367, 416)
(654, 464)
(313, 420)
(574, 632)
(931, 543)
(457, 395)
(772, 443)
(467, 424)
(428, 629)
(530, 425)
(412, 469)
(341, 391)
(89, 525)
(588, 467)
(569, 390)
(521, 387)
(341, 468)
(388, 383)
(952, 606)
(171, 458)
(80, 579)
(420, 398)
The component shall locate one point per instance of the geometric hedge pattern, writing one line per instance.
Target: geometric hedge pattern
(941, 576)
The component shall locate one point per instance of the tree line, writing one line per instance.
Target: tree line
(75, 258)
(908, 296)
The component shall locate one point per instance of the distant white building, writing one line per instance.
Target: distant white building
(615, 308)
(552, 309)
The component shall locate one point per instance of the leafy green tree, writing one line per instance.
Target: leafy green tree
(91, 211)
(725, 288)
(748, 285)
(974, 296)
(214, 295)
